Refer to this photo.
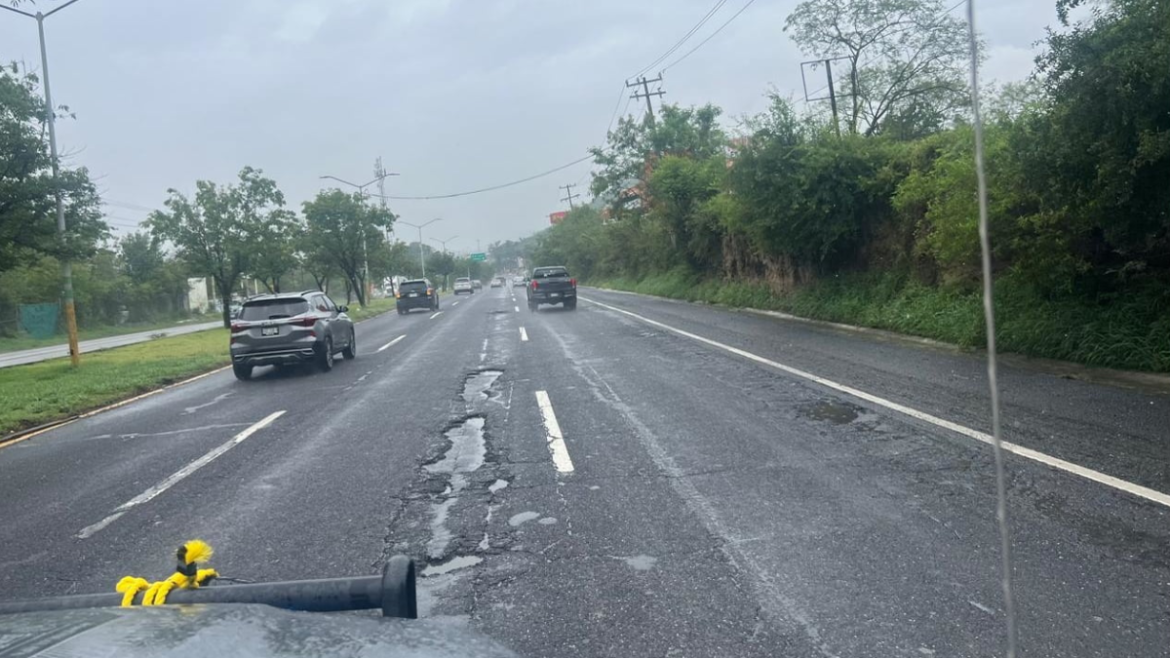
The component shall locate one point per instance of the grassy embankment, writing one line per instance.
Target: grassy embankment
(1130, 332)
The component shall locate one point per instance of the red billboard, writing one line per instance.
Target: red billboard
(556, 217)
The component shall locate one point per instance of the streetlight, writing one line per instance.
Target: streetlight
(361, 190)
(421, 257)
(66, 266)
(444, 243)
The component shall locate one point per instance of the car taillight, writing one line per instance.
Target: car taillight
(573, 282)
(305, 322)
(430, 291)
(535, 285)
(397, 295)
(237, 328)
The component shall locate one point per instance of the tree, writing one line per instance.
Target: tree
(341, 228)
(909, 58)
(278, 242)
(219, 232)
(28, 211)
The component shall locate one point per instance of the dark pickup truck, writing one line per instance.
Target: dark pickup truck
(552, 285)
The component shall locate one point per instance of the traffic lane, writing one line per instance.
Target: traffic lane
(857, 526)
(1119, 431)
(62, 482)
(312, 495)
(610, 558)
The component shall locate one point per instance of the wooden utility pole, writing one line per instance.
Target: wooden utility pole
(569, 196)
(646, 93)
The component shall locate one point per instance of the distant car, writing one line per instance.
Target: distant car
(417, 293)
(552, 285)
(519, 282)
(463, 284)
(498, 282)
(476, 284)
(290, 328)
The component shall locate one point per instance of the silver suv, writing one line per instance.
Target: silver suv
(289, 328)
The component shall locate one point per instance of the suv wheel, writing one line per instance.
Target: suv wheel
(350, 351)
(243, 373)
(325, 356)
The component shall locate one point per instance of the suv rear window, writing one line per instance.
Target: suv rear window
(413, 286)
(548, 272)
(273, 309)
(462, 280)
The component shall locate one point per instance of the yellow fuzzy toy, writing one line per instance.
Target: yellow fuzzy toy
(187, 576)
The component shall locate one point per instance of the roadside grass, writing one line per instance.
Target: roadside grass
(1129, 333)
(16, 343)
(49, 390)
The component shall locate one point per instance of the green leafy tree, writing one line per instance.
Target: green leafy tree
(909, 57)
(218, 232)
(340, 229)
(278, 242)
(28, 211)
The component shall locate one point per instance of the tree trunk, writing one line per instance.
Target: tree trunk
(358, 289)
(225, 299)
(276, 284)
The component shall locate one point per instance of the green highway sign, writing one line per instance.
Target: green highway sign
(479, 257)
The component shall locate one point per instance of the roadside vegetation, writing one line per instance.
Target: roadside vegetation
(872, 219)
(41, 392)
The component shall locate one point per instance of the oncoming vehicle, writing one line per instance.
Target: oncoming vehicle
(519, 281)
(552, 285)
(476, 284)
(463, 284)
(417, 293)
(290, 328)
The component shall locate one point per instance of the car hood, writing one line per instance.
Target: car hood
(226, 631)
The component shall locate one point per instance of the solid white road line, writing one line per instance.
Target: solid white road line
(523, 335)
(517, 308)
(437, 314)
(1027, 453)
(552, 430)
(178, 476)
(387, 345)
(454, 304)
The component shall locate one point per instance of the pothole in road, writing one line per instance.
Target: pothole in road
(477, 385)
(465, 455)
(457, 562)
(838, 413)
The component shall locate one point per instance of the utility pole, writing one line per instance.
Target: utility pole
(569, 196)
(832, 98)
(66, 265)
(646, 93)
(832, 95)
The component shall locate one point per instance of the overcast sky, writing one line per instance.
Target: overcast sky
(454, 95)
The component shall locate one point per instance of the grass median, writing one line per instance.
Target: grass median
(16, 343)
(41, 392)
(50, 390)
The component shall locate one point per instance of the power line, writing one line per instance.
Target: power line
(127, 205)
(485, 189)
(709, 37)
(706, 17)
(613, 115)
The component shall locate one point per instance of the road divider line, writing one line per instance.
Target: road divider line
(454, 304)
(523, 335)
(391, 343)
(179, 475)
(517, 308)
(437, 314)
(552, 430)
(982, 437)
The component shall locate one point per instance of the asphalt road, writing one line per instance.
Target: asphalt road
(638, 477)
(21, 357)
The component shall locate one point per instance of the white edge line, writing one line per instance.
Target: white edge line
(454, 303)
(391, 343)
(556, 441)
(179, 475)
(523, 335)
(437, 314)
(1027, 453)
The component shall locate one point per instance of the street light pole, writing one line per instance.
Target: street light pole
(444, 243)
(66, 265)
(421, 254)
(365, 254)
